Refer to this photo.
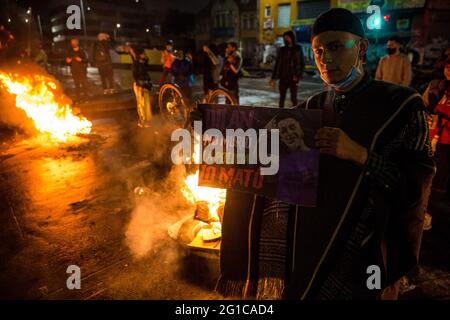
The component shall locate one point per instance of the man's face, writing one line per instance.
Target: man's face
(287, 40)
(335, 53)
(74, 43)
(447, 71)
(230, 48)
(169, 47)
(393, 45)
(291, 133)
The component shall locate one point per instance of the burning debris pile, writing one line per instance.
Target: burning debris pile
(210, 204)
(201, 230)
(51, 112)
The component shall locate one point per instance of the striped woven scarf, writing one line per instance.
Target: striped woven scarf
(272, 250)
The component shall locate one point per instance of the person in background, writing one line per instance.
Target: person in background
(167, 58)
(190, 59)
(395, 67)
(102, 60)
(182, 70)
(77, 59)
(41, 57)
(437, 99)
(231, 71)
(142, 85)
(288, 69)
(212, 68)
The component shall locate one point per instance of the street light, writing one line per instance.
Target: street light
(26, 20)
(116, 30)
(9, 20)
(88, 8)
(147, 30)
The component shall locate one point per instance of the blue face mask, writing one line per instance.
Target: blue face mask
(352, 76)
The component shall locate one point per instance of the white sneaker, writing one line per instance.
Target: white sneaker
(427, 222)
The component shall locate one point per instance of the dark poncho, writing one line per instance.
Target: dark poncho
(376, 115)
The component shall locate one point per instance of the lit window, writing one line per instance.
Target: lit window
(284, 15)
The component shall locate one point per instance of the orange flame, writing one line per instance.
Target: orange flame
(35, 94)
(193, 193)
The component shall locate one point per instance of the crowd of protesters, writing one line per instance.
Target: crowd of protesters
(219, 66)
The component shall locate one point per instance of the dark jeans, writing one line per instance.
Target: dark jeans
(234, 89)
(209, 85)
(235, 92)
(284, 85)
(107, 75)
(80, 82)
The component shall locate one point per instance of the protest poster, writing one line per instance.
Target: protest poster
(293, 155)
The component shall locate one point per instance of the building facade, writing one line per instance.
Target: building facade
(416, 22)
(275, 18)
(127, 21)
(223, 21)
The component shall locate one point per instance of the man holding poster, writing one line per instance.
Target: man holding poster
(375, 172)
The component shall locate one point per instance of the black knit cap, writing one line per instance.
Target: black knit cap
(337, 19)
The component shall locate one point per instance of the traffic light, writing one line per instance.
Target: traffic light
(377, 23)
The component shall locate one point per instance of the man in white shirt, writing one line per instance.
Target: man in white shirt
(395, 67)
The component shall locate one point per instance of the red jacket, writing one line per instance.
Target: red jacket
(443, 110)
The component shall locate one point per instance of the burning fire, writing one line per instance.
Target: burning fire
(35, 94)
(195, 193)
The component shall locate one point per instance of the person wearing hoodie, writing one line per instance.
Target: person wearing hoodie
(288, 69)
(102, 59)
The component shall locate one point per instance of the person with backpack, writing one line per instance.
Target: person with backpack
(102, 59)
(182, 70)
(232, 69)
